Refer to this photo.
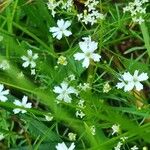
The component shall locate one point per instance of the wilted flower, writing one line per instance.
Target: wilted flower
(62, 61)
(72, 136)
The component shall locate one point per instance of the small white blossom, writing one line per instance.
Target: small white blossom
(80, 114)
(62, 61)
(88, 47)
(64, 91)
(118, 147)
(61, 30)
(29, 60)
(81, 103)
(84, 86)
(128, 82)
(49, 117)
(72, 136)
(67, 5)
(62, 146)
(71, 77)
(52, 5)
(4, 65)
(93, 130)
(33, 72)
(2, 136)
(3, 93)
(22, 104)
(124, 138)
(134, 148)
(115, 128)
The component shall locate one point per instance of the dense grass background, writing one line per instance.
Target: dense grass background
(123, 45)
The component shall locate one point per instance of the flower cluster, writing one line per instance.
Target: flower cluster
(53, 5)
(30, 61)
(90, 15)
(137, 10)
(79, 113)
(128, 82)
(88, 47)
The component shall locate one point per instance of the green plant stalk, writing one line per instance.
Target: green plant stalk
(146, 37)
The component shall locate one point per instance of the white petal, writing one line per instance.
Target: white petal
(60, 23)
(1, 87)
(60, 97)
(127, 76)
(138, 86)
(72, 147)
(86, 62)
(59, 35)
(83, 46)
(79, 56)
(120, 85)
(26, 64)
(33, 64)
(24, 58)
(24, 100)
(67, 33)
(35, 56)
(57, 89)
(3, 98)
(96, 57)
(71, 90)
(143, 77)
(129, 86)
(29, 53)
(54, 29)
(64, 85)
(16, 110)
(67, 24)
(17, 102)
(67, 98)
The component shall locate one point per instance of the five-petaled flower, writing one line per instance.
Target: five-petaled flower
(61, 30)
(62, 146)
(128, 82)
(3, 93)
(22, 104)
(30, 59)
(64, 91)
(88, 47)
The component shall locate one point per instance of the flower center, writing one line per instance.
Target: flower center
(88, 54)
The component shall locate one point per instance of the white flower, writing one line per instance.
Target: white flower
(93, 130)
(52, 6)
(61, 30)
(30, 59)
(115, 128)
(62, 60)
(62, 146)
(71, 77)
(64, 91)
(22, 104)
(81, 103)
(3, 93)
(72, 136)
(33, 72)
(4, 65)
(134, 148)
(124, 138)
(49, 117)
(118, 147)
(88, 47)
(128, 82)
(80, 114)
(2, 136)
(84, 86)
